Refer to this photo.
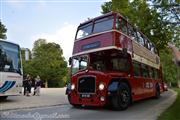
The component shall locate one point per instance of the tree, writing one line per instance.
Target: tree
(49, 63)
(169, 10)
(106, 7)
(150, 24)
(169, 68)
(3, 31)
(37, 44)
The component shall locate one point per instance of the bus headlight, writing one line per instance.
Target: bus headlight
(101, 86)
(72, 86)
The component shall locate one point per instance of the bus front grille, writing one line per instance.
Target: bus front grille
(86, 84)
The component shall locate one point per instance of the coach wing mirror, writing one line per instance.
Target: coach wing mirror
(70, 60)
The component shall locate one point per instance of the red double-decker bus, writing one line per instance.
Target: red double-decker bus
(113, 63)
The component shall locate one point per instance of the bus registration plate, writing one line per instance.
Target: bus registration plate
(85, 95)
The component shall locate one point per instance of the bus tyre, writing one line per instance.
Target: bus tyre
(74, 105)
(157, 95)
(122, 100)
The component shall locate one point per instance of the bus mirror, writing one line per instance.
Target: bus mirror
(70, 61)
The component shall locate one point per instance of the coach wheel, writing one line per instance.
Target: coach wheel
(122, 100)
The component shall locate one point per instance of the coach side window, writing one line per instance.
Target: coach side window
(137, 71)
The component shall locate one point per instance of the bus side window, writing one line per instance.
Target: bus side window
(149, 46)
(155, 51)
(120, 64)
(132, 33)
(144, 71)
(155, 74)
(152, 48)
(140, 38)
(121, 25)
(145, 43)
(151, 72)
(137, 71)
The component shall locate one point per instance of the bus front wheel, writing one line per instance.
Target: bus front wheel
(74, 105)
(122, 99)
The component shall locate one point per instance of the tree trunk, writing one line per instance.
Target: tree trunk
(46, 84)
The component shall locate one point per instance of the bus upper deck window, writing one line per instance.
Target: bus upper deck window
(121, 25)
(84, 30)
(103, 24)
(140, 39)
(132, 33)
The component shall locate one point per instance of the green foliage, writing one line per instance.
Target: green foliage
(106, 7)
(37, 44)
(3, 31)
(48, 63)
(169, 10)
(168, 67)
(172, 113)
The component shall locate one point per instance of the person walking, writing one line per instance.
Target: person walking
(25, 84)
(37, 87)
(29, 83)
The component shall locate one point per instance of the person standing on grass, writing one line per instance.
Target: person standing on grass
(37, 87)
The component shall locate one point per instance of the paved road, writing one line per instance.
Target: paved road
(48, 97)
(141, 110)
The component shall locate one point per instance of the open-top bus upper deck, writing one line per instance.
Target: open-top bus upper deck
(113, 31)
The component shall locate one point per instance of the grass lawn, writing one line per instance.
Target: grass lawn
(173, 112)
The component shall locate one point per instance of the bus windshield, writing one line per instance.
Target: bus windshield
(99, 25)
(9, 57)
(79, 63)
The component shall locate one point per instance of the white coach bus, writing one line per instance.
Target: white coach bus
(10, 69)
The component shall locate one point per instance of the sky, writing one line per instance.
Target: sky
(53, 20)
